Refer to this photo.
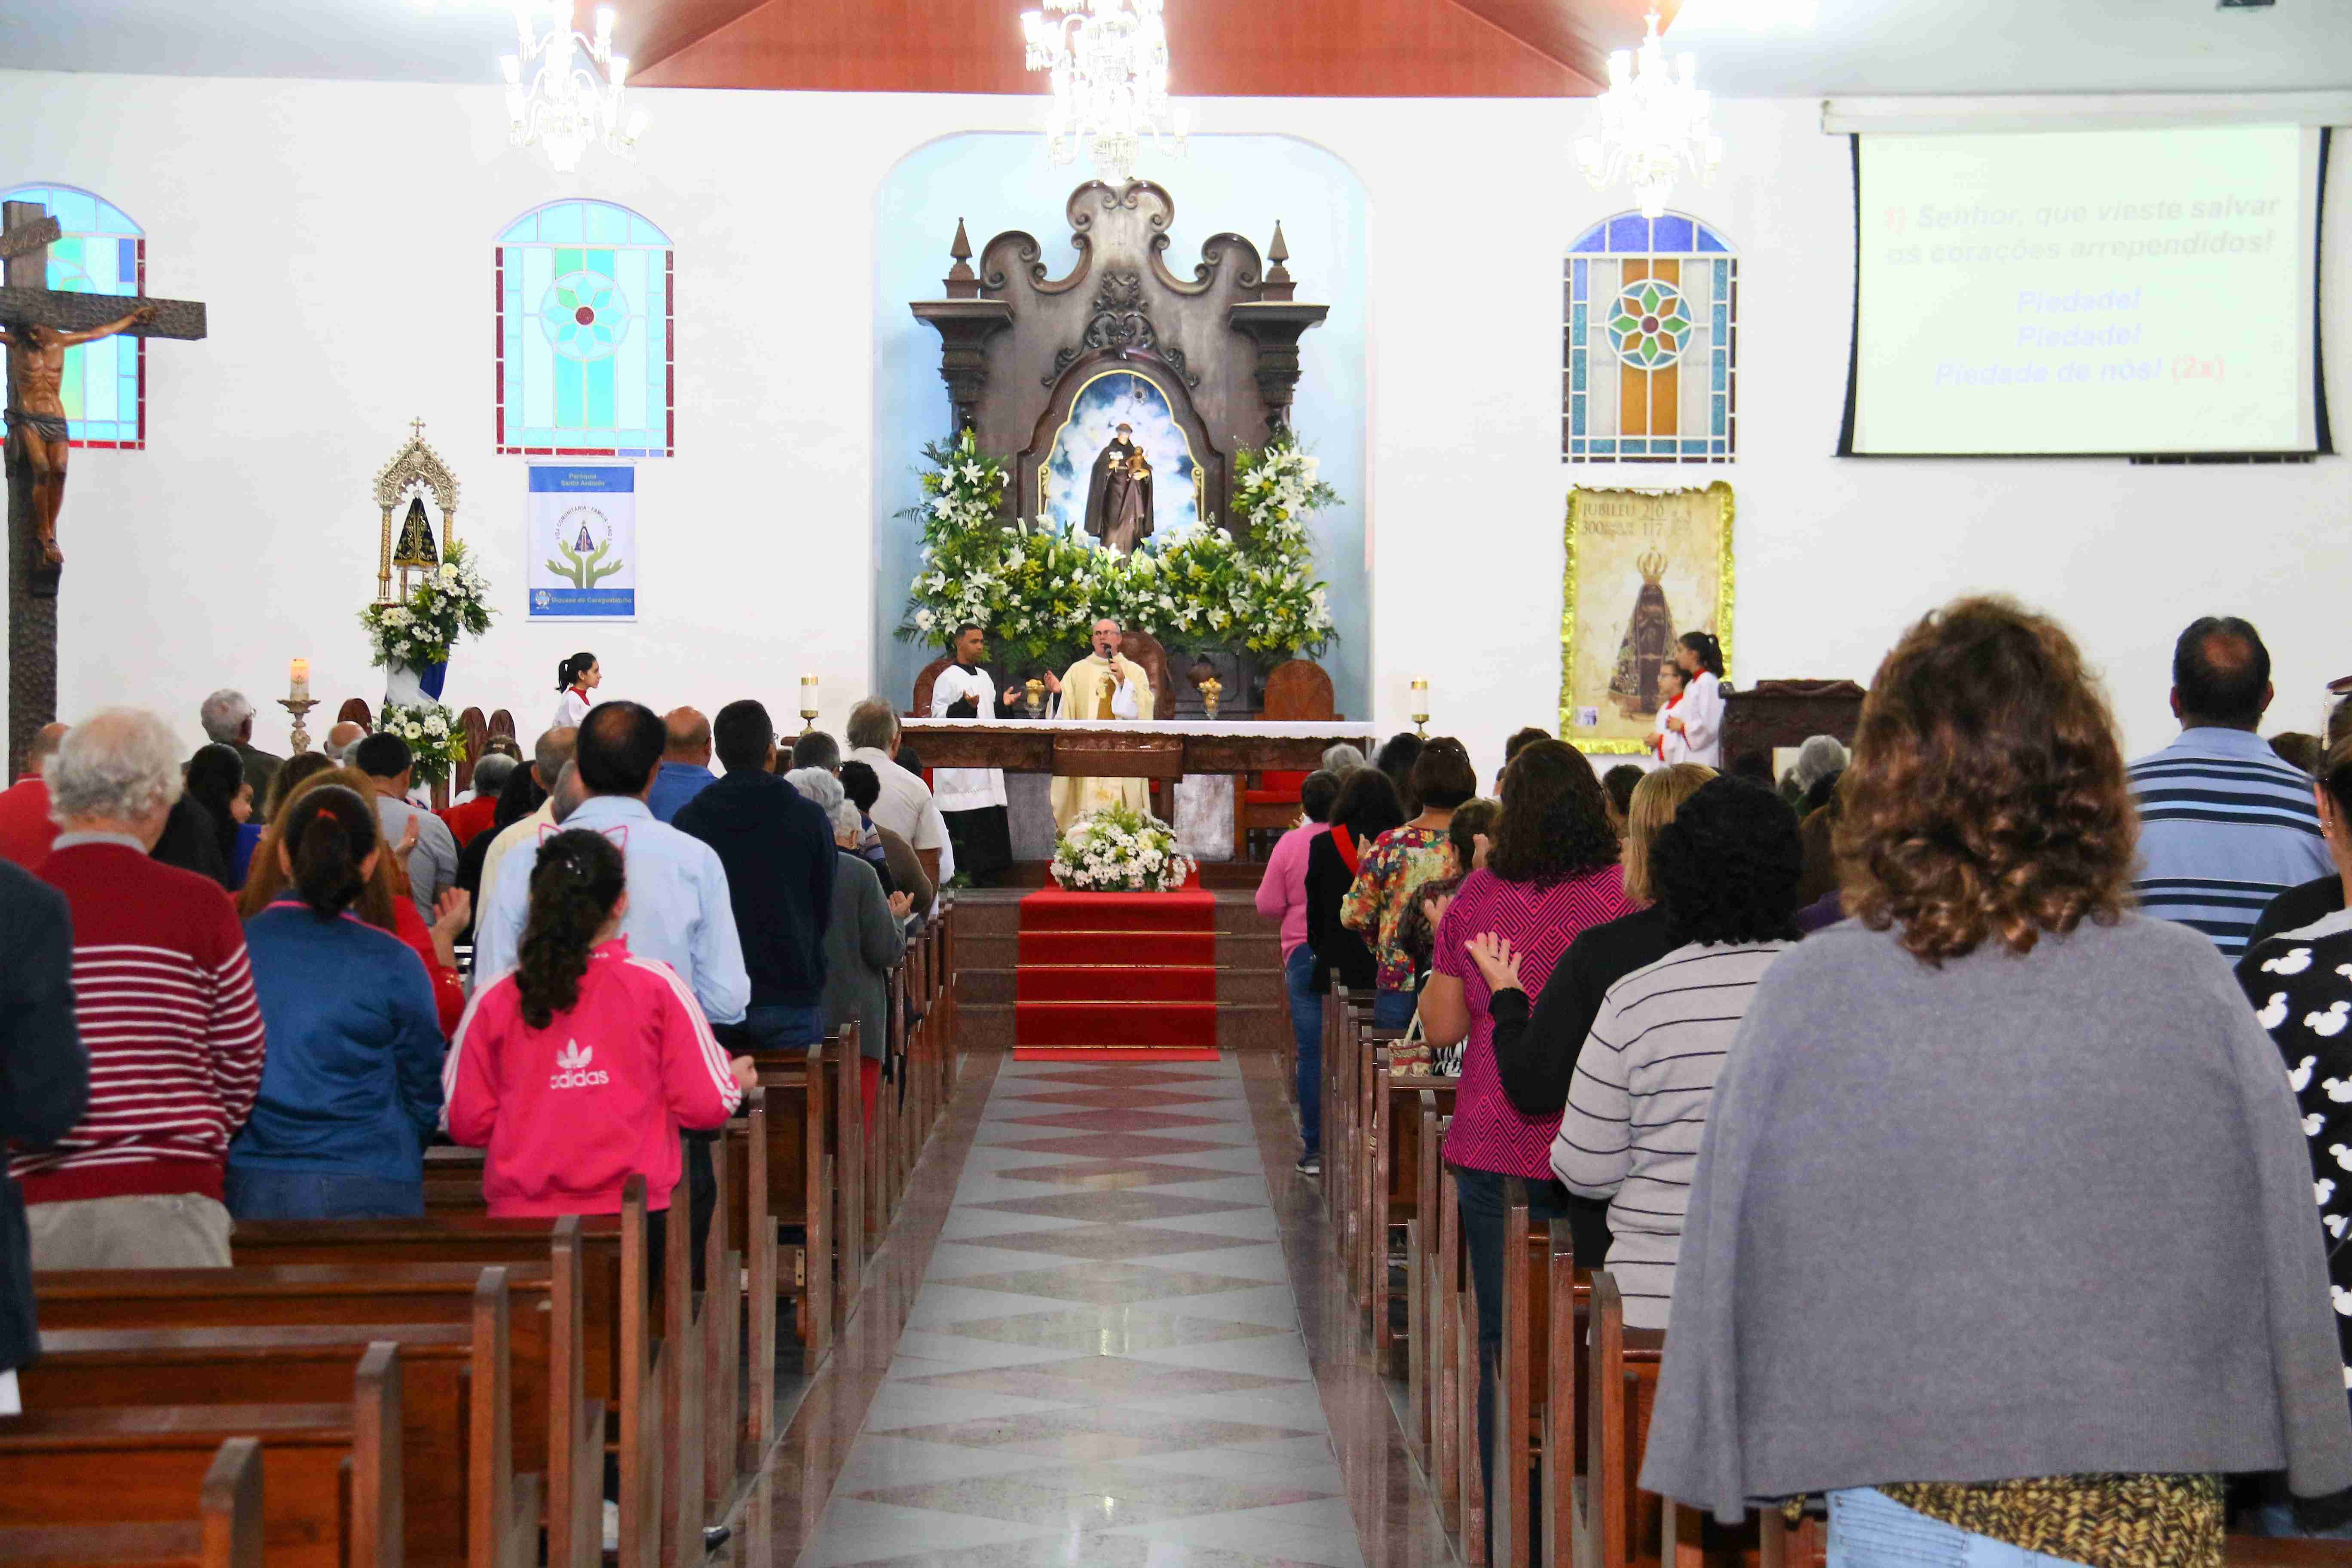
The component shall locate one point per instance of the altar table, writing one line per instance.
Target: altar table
(1203, 758)
(1138, 749)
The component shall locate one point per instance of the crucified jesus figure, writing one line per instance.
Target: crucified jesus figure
(37, 413)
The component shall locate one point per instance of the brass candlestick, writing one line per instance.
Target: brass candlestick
(298, 707)
(808, 720)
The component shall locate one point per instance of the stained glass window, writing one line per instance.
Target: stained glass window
(102, 252)
(1653, 343)
(587, 345)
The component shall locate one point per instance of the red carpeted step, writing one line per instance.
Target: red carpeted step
(1130, 1023)
(1175, 949)
(1115, 983)
(1192, 910)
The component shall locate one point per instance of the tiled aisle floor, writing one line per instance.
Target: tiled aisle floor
(1105, 1362)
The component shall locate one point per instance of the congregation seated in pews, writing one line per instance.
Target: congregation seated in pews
(1976, 1225)
(404, 1350)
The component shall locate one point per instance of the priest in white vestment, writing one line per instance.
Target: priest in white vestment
(1101, 688)
(973, 799)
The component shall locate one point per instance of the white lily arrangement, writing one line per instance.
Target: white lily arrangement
(436, 738)
(1034, 589)
(452, 602)
(1120, 850)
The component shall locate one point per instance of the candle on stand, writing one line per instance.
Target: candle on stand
(808, 703)
(301, 674)
(1420, 714)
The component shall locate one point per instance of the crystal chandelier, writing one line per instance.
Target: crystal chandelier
(1649, 121)
(1110, 65)
(575, 93)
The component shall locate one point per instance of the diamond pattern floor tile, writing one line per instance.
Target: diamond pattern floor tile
(1103, 1243)
(1109, 1283)
(1103, 1363)
(1121, 1208)
(1115, 1175)
(1107, 1330)
(1103, 1378)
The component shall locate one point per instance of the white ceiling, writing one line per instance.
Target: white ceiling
(1853, 46)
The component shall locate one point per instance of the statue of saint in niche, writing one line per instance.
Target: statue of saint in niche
(1118, 496)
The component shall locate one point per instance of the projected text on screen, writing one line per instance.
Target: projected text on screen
(2041, 293)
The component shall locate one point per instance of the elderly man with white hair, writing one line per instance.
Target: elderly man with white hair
(905, 806)
(164, 1000)
(227, 719)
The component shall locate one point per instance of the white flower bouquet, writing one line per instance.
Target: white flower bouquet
(453, 602)
(1120, 850)
(1034, 589)
(436, 738)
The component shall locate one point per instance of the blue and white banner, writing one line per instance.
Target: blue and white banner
(582, 547)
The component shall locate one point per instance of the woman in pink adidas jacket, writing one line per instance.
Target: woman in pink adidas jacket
(576, 1068)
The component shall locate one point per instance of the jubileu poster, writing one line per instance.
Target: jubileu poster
(582, 547)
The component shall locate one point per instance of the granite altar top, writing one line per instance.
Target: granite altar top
(1241, 728)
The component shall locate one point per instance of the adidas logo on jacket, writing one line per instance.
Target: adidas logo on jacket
(570, 1112)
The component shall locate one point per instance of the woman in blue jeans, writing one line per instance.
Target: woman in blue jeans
(1282, 896)
(350, 1090)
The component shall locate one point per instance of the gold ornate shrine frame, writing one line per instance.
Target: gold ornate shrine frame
(416, 466)
(1607, 531)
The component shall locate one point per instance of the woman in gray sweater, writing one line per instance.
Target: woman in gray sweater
(2002, 1224)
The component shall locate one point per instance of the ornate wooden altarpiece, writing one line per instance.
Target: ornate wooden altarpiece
(1018, 345)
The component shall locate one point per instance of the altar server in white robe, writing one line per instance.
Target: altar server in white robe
(1101, 688)
(1698, 717)
(973, 799)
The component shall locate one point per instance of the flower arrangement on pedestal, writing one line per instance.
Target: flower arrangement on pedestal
(1120, 850)
(411, 639)
(1034, 589)
(436, 740)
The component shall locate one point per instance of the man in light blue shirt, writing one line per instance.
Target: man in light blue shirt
(678, 911)
(684, 770)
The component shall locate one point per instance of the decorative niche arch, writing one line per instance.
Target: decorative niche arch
(1021, 347)
(415, 470)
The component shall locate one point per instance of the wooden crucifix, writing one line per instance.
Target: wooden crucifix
(39, 325)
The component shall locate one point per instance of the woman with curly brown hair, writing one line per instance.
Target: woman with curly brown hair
(1551, 874)
(2001, 1232)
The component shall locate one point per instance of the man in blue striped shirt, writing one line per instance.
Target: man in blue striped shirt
(2225, 825)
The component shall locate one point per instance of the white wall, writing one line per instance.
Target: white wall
(341, 235)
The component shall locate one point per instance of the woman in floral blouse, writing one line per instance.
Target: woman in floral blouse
(1398, 863)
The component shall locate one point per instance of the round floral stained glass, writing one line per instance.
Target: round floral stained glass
(584, 315)
(1649, 325)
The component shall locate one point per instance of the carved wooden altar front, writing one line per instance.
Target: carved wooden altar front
(1018, 345)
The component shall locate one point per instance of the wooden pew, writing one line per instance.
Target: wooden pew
(461, 1501)
(550, 1414)
(1394, 1182)
(1567, 1427)
(331, 1478)
(1442, 1306)
(798, 1184)
(220, 1528)
(567, 1393)
(1629, 1525)
(1471, 1482)
(1546, 1309)
(1422, 1233)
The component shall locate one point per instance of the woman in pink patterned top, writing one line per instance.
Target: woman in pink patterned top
(1551, 874)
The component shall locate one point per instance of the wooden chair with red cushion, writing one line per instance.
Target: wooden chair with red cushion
(1266, 804)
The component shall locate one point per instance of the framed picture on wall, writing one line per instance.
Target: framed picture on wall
(1643, 568)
